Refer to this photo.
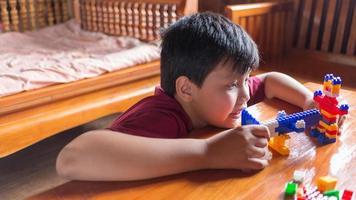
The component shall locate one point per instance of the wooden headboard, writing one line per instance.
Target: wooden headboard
(24, 15)
(136, 18)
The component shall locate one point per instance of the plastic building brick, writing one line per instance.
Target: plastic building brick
(332, 193)
(301, 198)
(291, 188)
(311, 192)
(247, 118)
(326, 183)
(330, 110)
(277, 143)
(300, 193)
(298, 176)
(347, 195)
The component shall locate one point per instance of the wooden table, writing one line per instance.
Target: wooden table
(338, 160)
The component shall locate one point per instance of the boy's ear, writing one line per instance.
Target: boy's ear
(184, 88)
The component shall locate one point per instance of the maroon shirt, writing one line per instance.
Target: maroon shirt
(161, 116)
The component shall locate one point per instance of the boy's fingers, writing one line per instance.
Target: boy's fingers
(257, 163)
(260, 131)
(255, 152)
(261, 142)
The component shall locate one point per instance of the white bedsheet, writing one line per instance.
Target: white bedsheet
(65, 53)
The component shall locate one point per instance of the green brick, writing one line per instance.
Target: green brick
(291, 188)
(332, 193)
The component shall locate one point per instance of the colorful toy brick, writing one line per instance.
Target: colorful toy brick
(247, 118)
(300, 192)
(326, 183)
(301, 198)
(332, 193)
(311, 192)
(347, 195)
(330, 110)
(291, 188)
(298, 176)
(278, 143)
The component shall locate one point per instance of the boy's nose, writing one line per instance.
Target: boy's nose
(244, 95)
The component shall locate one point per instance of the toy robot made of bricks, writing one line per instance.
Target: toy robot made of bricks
(327, 129)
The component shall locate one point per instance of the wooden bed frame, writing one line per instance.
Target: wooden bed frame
(32, 116)
(311, 38)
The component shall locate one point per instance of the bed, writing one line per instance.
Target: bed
(33, 110)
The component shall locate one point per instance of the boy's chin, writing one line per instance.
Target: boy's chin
(236, 124)
(233, 123)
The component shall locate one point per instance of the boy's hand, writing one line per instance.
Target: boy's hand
(240, 148)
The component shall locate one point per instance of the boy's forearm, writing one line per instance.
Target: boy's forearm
(107, 155)
(284, 87)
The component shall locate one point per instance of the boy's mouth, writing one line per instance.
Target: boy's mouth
(236, 114)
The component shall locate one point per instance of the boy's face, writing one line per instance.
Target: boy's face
(221, 98)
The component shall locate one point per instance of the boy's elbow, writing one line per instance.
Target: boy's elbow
(66, 163)
(273, 81)
(72, 160)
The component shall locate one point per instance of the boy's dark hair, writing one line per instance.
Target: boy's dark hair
(194, 45)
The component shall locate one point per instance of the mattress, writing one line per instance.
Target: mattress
(65, 53)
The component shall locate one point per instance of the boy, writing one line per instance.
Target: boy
(205, 65)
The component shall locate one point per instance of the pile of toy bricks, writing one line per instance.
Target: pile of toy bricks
(24, 15)
(325, 189)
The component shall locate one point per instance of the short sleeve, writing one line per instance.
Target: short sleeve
(156, 124)
(257, 90)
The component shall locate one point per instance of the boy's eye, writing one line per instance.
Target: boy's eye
(233, 85)
(238, 84)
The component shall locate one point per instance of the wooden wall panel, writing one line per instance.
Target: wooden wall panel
(328, 25)
(351, 46)
(315, 30)
(267, 24)
(341, 25)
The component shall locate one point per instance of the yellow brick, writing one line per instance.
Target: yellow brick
(278, 144)
(336, 89)
(326, 183)
(328, 115)
(332, 127)
(321, 130)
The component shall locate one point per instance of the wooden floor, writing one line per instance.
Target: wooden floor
(32, 170)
